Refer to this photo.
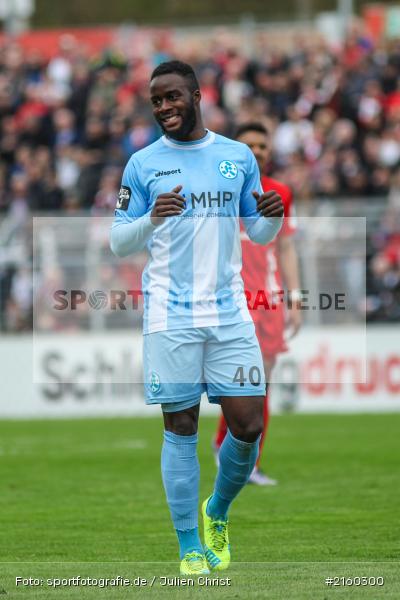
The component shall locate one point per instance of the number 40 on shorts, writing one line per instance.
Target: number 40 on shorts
(254, 376)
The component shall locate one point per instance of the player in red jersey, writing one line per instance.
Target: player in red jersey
(265, 270)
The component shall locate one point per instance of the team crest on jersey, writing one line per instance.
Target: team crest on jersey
(228, 169)
(124, 197)
(155, 384)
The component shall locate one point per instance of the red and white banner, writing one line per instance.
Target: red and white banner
(346, 369)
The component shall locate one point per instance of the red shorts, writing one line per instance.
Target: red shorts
(270, 328)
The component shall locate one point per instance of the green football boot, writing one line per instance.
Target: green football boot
(194, 563)
(216, 541)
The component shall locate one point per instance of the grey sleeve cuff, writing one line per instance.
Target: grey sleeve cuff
(263, 230)
(128, 238)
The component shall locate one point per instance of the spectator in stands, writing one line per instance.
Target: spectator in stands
(68, 125)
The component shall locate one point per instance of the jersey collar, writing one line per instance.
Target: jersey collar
(201, 143)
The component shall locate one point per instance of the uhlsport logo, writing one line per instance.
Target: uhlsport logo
(155, 384)
(164, 173)
(228, 169)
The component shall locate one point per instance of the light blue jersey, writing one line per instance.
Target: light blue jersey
(192, 278)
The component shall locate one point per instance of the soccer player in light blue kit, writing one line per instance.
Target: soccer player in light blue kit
(181, 197)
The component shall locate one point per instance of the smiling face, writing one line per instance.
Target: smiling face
(175, 106)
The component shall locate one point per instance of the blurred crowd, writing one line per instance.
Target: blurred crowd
(68, 125)
(383, 270)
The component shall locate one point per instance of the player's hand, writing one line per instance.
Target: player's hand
(170, 204)
(294, 320)
(269, 204)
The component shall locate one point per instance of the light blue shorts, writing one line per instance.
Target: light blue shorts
(179, 365)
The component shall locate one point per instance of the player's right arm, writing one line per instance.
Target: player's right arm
(135, 220)
(132, 226)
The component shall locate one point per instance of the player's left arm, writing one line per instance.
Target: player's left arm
(289, 267)
(262, 213)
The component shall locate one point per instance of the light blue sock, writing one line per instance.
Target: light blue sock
(181, 474)
(236, 462)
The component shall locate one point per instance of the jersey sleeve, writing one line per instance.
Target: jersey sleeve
(260, 230)
(132, 227)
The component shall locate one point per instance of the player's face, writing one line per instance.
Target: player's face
(174, 105)
(259, 144)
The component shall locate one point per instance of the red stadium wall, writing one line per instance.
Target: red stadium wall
(47, 41)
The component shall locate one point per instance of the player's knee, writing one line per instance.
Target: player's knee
(248, 431)
(185, 428)
(180, 423)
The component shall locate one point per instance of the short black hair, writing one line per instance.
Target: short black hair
(180, 68)
(252, 126)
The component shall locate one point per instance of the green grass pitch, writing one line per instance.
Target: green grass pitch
(84, 497)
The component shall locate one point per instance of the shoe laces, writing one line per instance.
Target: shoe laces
(193, 558)
(218, 534)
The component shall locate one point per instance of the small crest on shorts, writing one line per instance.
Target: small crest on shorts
(155, 384)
